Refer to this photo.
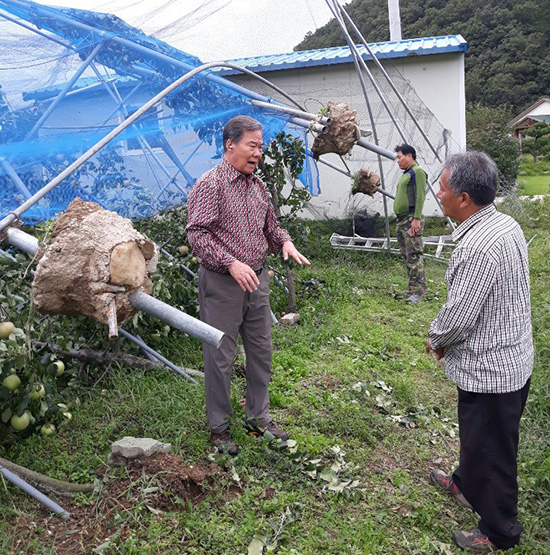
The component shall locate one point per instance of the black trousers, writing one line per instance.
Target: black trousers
(487, 472)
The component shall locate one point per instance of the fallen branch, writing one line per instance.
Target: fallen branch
(45, 483)
(104, 358)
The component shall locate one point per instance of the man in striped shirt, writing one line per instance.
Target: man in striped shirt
(484, 333)
(232, 227)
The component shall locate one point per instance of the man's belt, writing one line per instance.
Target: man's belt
(258, 272)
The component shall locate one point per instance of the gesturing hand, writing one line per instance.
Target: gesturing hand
(244, 275)
(290, 250)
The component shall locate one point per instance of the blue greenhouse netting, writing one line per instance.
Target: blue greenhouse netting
(68, 77)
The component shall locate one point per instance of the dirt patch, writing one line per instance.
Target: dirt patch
(157, 485)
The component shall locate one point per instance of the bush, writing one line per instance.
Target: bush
(488, 131)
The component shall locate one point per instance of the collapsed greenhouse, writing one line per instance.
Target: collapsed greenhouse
(71, 77)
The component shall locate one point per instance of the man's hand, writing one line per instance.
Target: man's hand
(439, 352)
(416, 225)
(290, 250)
(244, 275)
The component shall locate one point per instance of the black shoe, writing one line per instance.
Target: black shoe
(270, 427)
(224, 443)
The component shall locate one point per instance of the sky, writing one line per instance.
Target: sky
(217, 29)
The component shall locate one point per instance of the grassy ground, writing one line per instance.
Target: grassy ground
(352, 375)
(534, 185)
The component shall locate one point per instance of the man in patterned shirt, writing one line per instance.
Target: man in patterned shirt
(232, 227)
(484, 333)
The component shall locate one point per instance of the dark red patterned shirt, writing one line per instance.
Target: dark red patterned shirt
(231, 218)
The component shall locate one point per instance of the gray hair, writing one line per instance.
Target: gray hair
(235, 128)
(474, 173)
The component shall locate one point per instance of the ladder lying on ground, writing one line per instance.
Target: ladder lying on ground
(437, 247)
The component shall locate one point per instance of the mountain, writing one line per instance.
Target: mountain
(508, 58)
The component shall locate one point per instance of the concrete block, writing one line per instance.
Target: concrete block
(138, 447)
(290, 319)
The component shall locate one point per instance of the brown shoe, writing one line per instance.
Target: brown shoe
(439, 478)
(224, 443)
(270, 427)
(474, 540)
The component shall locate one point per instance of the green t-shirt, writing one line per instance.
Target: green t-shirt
(411, 192)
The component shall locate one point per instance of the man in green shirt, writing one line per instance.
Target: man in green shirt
(408, 206)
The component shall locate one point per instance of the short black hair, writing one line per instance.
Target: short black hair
(474, 173)
(406, 149)
(235, 128)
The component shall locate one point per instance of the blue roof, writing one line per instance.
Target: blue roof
(342, 55)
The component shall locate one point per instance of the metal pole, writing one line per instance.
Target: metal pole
(317, 127)
(381, 67)
(23, 241)
(35, 30)
(158, 356)
(15, 214)
(291, 111)
(15, 178)
(176, 318)
(345, 172)
(64, 91)
(390, 82)
(356, 59)
(46, 11)
(189, 272)
(31, 490)
(142, 301)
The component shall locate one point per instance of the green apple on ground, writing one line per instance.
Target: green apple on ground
(47, 429)
(6, 329)
(59, 367)
(20, 422)
(12, 382)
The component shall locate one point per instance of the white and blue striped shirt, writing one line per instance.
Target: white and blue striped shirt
(485, 325)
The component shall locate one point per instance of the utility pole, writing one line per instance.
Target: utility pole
(395, 20)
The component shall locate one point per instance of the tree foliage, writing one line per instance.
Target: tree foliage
(538, 139)
(508, 59)
(489, 132)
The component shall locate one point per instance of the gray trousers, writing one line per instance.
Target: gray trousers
(224, 305)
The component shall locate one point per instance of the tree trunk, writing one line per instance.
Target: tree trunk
(132, 361)
(45, 483)
(289, 275)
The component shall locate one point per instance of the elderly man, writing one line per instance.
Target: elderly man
(484, 333)
(408, 206)
(231, 228)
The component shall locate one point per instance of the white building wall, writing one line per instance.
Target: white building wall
(437, 79)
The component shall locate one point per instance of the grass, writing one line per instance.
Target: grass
(353, 374)
(534, 185)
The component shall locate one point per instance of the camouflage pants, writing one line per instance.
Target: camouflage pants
(412, 250)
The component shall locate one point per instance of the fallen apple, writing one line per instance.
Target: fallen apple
(59, 367)
(47, 429)
(184, 249)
